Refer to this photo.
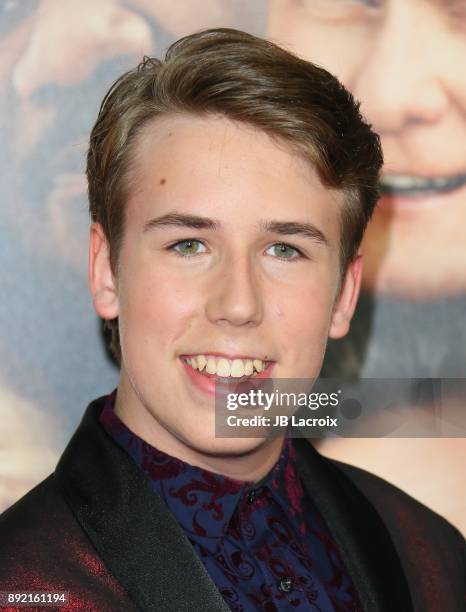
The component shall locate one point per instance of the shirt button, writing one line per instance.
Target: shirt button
(285, 585)
(252, 496)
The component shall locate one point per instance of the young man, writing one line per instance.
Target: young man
(229, 189)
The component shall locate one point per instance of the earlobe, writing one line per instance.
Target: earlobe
(101, 280)
(346, 301)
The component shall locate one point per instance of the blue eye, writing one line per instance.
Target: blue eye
(340, 7)
(187, 248)
(284, 251)
(371, 3)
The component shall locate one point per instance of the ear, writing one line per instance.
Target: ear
(347, 299)
(101, 281)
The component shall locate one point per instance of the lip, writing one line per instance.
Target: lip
(417, 186)
(410, 202)
(211, 386)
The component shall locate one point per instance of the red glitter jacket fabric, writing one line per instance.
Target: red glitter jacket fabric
(96, 530)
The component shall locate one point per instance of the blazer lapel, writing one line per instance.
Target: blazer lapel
(359, 532)
(129, 525)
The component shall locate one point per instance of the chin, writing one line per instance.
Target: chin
(224, 447)
(414, 285)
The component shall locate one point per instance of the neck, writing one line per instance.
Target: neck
(251, 464)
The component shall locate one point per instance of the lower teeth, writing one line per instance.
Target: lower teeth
(229, 379)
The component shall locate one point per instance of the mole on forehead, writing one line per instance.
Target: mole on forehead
(162, 181)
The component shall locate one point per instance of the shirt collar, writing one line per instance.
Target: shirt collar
(203, 502)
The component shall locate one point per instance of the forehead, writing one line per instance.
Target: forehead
(204, 141)
(211, 164)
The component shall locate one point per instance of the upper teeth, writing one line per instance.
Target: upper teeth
(405, 182)
(226, 367)
(402, 182)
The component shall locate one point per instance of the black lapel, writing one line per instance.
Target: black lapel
(360, 534)
(130, 527)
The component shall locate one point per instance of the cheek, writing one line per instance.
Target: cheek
(302, 322)
(342, 48)
(155, 309)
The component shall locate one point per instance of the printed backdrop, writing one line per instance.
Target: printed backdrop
(404, 59)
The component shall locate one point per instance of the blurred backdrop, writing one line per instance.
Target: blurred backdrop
(403, 59)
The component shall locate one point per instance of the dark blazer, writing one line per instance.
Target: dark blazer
(96, 529)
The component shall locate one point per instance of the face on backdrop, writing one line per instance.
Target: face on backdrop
(52, 106)
(230, 252)
(404, 60)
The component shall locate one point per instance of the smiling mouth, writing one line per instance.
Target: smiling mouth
(226, 370)
(416, 186)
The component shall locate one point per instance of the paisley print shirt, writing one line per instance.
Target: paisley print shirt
(264, 544)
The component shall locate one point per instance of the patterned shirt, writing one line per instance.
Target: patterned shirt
(264, 544)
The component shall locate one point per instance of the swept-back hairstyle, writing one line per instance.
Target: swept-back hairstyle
(247, 79)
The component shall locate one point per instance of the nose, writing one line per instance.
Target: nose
(235, 296)
(86, 36)
(401, 83)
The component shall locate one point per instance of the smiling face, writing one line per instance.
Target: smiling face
(230, 264)
(402, 59)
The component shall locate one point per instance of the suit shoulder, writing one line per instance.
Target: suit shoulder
(432, 551)
(44, 546)
(32, 522)
(25, 514)
(402, 512)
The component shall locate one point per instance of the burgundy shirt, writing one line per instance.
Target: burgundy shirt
(264, 544)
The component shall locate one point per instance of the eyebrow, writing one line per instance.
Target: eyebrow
(181, 220)
(294, 228)
(283, 228)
